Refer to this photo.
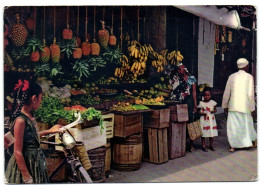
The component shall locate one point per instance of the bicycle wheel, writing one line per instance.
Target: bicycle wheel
(83, 175)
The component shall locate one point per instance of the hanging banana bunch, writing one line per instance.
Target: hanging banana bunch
(121, 71)
(175, 57)
(160, 60)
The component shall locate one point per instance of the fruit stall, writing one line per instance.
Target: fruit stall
(111, 64)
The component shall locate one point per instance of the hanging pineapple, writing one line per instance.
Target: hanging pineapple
(18, 33)
(103, 35)
(45, 54)
(55, 51)
(35, 56)
(95, 48)
(29, 23)
(77, 53)
(67, 32)
(112, 40)
(86, 48)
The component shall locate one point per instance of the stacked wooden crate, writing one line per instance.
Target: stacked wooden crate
(127, 143)
(177, 130)
(155, 136)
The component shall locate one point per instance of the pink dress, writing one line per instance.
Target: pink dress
(208, 122)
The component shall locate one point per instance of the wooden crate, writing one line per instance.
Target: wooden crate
(176, 140)
(109, 124)
(91, 137)
(155, 145)
(127, 125)
(178, 113)
(157, 119)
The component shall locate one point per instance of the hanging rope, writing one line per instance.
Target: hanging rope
(112, 21)
(54, 24)
(78, 23)
(177, 34)
(34, 19)
(94, 22)
(44, 41)
(86, 24)
(103, 13)
(138, 23)
(121, 35)
(68, 12)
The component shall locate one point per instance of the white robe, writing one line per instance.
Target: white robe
(240, 129)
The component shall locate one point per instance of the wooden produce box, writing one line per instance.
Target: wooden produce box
(155, 145)
(178, 113)
(127, 125)
(176, 140)
(109, 120)
(157, 119)
(91, 137)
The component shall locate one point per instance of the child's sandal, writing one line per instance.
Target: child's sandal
(204, 149)
(231, 150)
(211, 148)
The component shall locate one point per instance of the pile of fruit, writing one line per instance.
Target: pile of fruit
(106, 81)
(106, 91)
(123, 107)
(156, 101)
(140, 107)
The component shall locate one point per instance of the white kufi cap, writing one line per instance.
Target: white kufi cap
(241, 63)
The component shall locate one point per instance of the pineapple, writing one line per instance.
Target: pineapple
(112, 40)
(45, 54)
(67, 33)
(103, 35)
(18, 33)
(77, 53)
(35, 56)
(86, 48)
(30, 23)
(95, 48)
(55, 51)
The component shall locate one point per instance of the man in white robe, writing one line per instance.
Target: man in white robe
(239, 102)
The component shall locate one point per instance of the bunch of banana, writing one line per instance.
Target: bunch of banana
(119, 72)
(175, 57)
(138, 67)
(160, 60)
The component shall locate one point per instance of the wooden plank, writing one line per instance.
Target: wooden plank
(157, 119)
(132, 129)
(165, 145)
(160, 145)
(132, 119)
(150, 145)
(183, 144)
(182, 112)
(155, 146)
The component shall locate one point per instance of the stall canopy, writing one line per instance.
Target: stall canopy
(220, 16)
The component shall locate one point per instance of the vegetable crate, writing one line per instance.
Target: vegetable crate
(109, 124)
(155, 145)
(127, 125)
(157, 119)
(178, 113)
(176, 140)
(91, 137)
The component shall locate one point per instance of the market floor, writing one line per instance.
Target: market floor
(198, 166)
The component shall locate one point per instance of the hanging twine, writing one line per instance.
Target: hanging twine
(103, 13)
(44, 42)
(177, 34)
(94, 23)
(78, 23)
(112, 21)
(54, 25)
(68, 12)
(34, 17)
(86, 24)
(138, 23)
(121, 36)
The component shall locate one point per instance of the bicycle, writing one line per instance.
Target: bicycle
(79, 174)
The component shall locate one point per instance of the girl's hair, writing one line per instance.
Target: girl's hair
(206, 89)
(23, 92)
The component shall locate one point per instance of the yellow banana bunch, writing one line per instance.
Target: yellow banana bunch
(175, 57)
(119, 72)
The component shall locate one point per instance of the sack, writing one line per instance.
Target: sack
(194, 130)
